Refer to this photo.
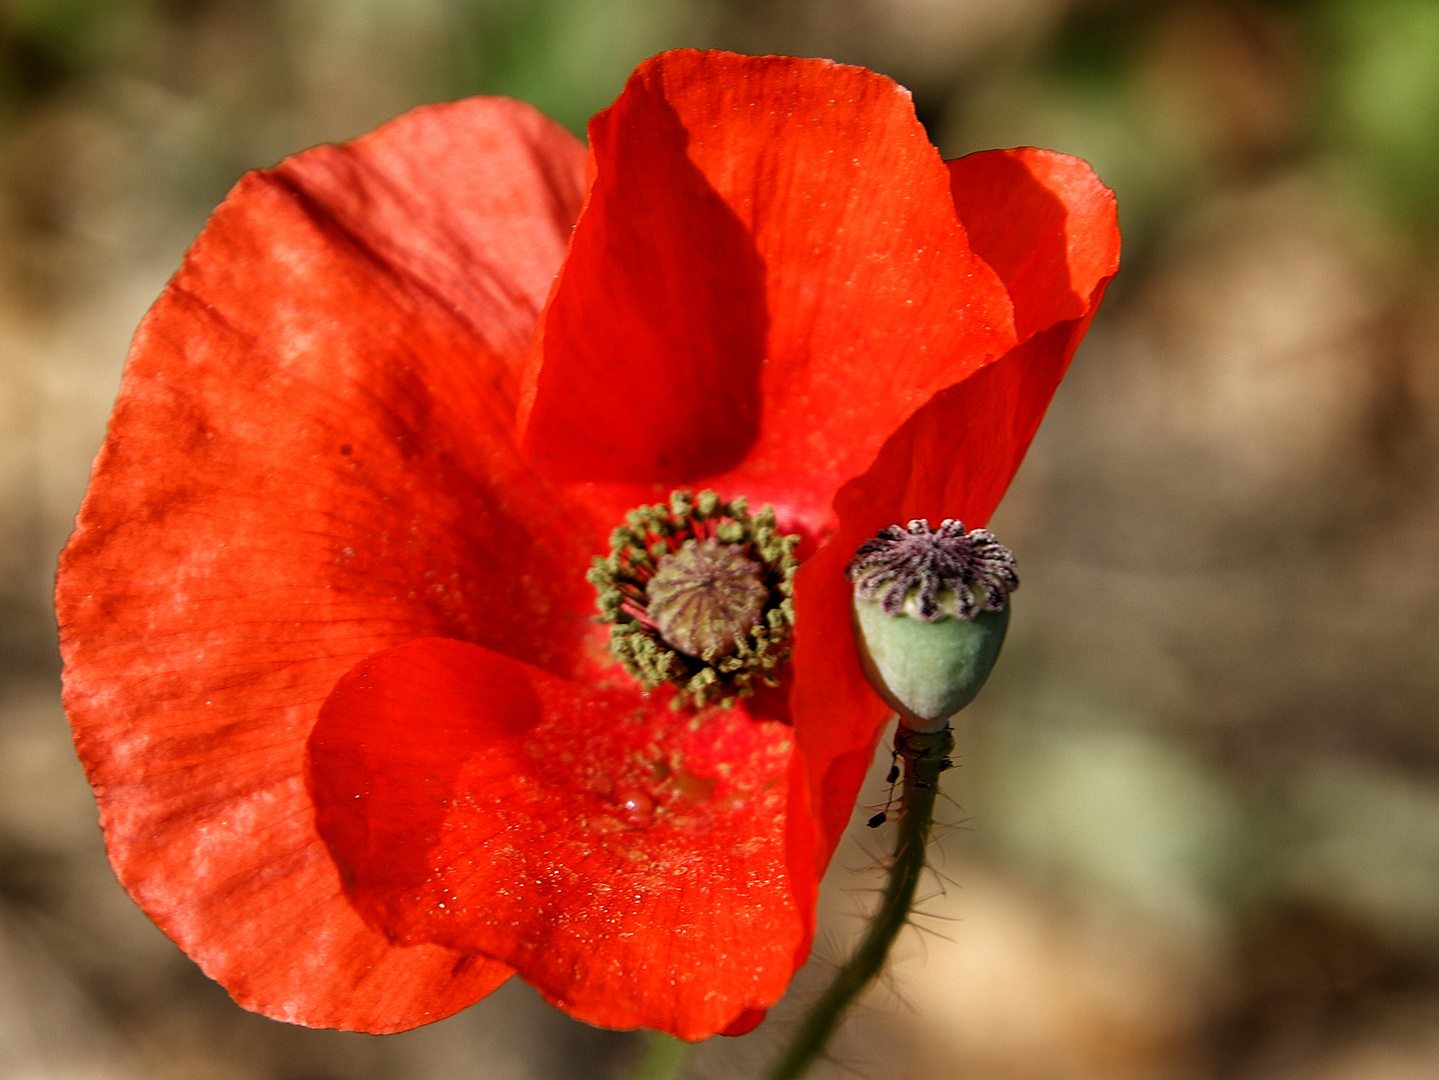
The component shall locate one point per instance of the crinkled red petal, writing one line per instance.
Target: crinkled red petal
(1048, 225)
(311, 459)
(768, 278)
(472, 202)
(627, 859)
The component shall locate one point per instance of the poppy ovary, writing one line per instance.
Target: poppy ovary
(699, 594)
(930, 611)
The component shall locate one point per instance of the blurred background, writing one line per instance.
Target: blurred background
(1195, 833)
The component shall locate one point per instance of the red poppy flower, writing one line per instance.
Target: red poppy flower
(358, 744)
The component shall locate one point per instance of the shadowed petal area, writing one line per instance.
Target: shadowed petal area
(827, 279)
(309, 462)
(653, 342)
(1045, 223)
(1049, 225)
(628, 860)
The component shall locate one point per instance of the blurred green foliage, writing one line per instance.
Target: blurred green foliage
(567, 57)
(1381, 98)
(1118, 84)
(51, 41)
(1370, 93)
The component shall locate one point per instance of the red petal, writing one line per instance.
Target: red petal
(1045, 223)
(767, 279)
(745, 1023)
(311, 459)
(628, 860)
(957, 455)
(473, 202)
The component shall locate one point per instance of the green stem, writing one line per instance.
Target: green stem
(664, 1058)
(925, 757)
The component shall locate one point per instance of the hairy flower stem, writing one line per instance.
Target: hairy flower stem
(925, 757)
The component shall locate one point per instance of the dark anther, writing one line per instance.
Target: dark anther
(893, 774)
(878, 819)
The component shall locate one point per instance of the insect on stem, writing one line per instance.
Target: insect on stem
(924, 755)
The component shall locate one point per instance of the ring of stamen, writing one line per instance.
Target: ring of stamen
(699, 594)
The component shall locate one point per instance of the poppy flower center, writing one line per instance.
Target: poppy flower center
(699, 595)
(705, 597)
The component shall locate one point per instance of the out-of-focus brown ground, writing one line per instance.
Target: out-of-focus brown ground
(1195, 833)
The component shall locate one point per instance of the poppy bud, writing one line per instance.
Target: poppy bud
(930, 612)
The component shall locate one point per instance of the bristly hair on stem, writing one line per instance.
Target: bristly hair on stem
(925, 755)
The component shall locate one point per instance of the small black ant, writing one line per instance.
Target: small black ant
(893, 778)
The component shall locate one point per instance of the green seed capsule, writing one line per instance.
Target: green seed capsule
(930, 611)
(927, 671)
